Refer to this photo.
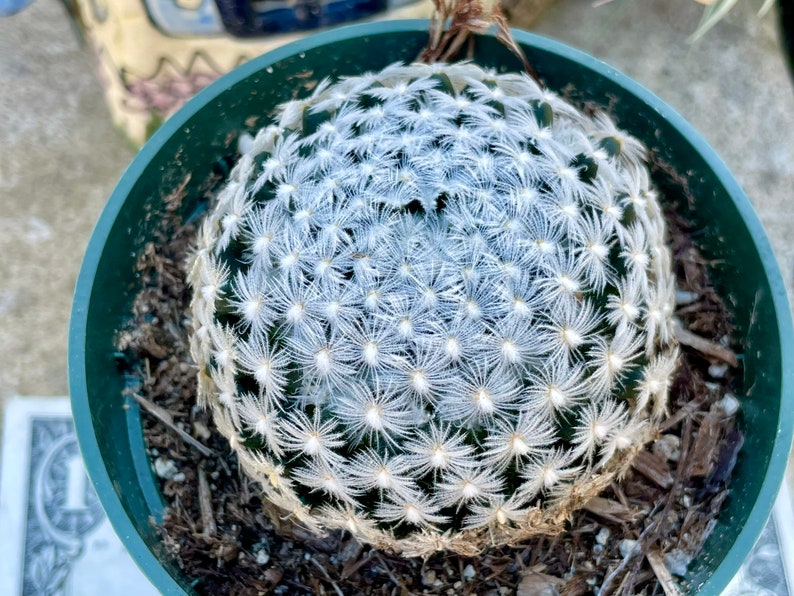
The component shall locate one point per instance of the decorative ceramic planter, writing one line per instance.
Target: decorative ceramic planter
(202, 134)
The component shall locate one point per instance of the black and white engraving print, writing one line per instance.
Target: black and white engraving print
(62, 506)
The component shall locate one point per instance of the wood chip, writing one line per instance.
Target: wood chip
(703, 454)
(156, 351)
(705, 346)
(611, 510)
(322, 569)
(353, 565)
(576, 586)
(683, 412)
(205, 504)
(535, 583)
(385, 566)
(663, 574)
(726, 461)
(653, 468)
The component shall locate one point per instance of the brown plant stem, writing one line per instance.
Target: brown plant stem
(467, 17)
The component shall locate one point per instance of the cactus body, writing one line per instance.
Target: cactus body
(433, 307)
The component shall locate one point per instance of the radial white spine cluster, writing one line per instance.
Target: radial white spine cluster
(433, 307)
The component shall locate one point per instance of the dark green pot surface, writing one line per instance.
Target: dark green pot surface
(199, 135)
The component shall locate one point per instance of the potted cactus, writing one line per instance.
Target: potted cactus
(432, 304)
(435, 302)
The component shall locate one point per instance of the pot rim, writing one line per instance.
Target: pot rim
(77, 365)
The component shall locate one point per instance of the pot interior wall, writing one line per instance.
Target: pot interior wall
(205, 131)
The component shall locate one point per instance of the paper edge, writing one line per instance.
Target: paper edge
(14, 473)
(784, 524)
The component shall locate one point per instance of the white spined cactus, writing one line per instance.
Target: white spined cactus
(433, 307)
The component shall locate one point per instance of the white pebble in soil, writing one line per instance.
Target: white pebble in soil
(718, 371)
(667, 447)
(429, 578)
(729, 404)
(683, 297)
(676, 562)
(165, 468)
(602, 536)
(262, 557)
(628, 547)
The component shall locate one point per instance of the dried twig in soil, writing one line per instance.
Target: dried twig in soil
(662, 573)
(165, 417)
(704, 346)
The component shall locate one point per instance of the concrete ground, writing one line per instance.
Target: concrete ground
(60, 155)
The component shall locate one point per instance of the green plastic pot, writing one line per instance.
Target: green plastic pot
(198, 137)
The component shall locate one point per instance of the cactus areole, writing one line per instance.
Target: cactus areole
(432, 307)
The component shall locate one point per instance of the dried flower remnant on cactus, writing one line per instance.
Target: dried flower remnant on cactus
(433, 307)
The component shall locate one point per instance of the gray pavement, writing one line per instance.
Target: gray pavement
(60, 155)
(59, 159)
